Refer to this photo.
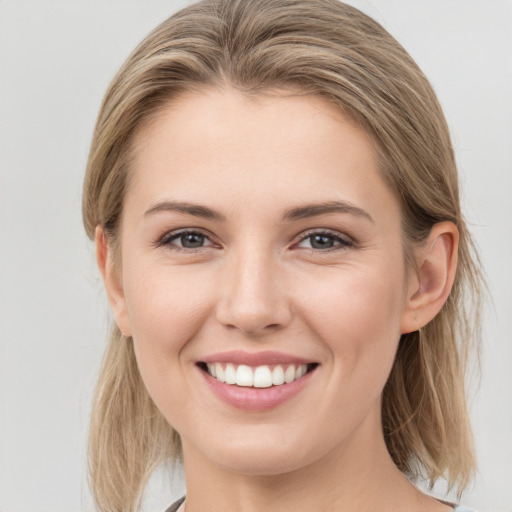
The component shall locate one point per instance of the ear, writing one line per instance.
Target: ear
(430, 285)
(112, 281)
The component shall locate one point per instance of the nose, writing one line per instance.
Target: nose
(253, 295)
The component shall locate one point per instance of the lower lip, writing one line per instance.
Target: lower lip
(256, 399)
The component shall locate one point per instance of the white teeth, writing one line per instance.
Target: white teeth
(301, 370)
(289, 374)
(220, 374)
(262, 377)
(212, 369)
(278, 375)
(244, 376)
(230, 374)
(259, 377)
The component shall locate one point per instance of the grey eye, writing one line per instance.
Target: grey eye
(322, 241)
(191, 240)
(185, 240)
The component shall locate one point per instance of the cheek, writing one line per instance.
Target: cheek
(357, 319)
(357, 314)
(166, 308)
(358, 299)
(165, 303)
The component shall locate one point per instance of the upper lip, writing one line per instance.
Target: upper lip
(266, 357)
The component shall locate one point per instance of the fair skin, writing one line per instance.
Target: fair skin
(259, 231)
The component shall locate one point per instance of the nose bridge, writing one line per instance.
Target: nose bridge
(252, 295)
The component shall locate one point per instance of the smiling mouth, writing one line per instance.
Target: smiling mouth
(263, 376)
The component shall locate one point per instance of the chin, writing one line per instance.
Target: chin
(260, 464)
(263, 456)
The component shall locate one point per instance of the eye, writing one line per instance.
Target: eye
(322, 240)
(185, 240)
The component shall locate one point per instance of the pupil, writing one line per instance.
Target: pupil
(321, 242)
(192, 240)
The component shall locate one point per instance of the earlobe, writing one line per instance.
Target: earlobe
(112, 281)
(434, 277)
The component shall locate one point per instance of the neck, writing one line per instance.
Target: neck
(357, 475)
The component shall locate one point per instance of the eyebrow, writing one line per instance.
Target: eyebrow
(191, 209)
(315, 209)
(301, 212)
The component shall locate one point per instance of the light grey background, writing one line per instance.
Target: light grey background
(56, 60)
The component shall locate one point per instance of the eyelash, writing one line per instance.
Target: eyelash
(168, 238)
(343, 242)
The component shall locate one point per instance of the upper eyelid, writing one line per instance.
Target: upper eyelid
(176, 233)
(185, 231)
(328, 232)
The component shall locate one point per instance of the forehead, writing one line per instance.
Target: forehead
(286, 146)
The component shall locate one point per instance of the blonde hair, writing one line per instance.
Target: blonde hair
(322, 47)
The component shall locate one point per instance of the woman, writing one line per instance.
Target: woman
(273, 195)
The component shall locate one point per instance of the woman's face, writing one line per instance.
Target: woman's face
(259, 241)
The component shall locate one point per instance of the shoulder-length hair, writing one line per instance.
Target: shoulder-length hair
(327, 48)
